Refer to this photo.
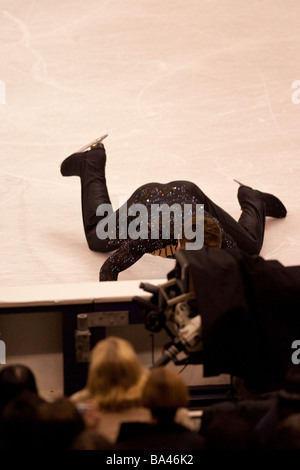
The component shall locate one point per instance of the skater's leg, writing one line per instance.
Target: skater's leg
(253, 218)
(90, 167)
(256, 206)
(94, 193)
(248, 231)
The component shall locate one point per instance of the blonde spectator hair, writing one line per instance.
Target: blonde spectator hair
(116, 376)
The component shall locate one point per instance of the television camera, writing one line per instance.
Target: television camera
(173, 307)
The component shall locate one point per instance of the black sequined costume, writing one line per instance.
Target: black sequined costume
(246, 234)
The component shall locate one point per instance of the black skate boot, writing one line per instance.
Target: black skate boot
(274, 207)
(71, 166)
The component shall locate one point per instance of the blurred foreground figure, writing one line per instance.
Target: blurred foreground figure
(164, 394)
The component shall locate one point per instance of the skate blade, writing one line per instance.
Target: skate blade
(92, 144)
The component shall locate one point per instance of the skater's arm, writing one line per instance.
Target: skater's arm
(128, 254)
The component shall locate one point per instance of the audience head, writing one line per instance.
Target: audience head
(289, 395)
(13, 380)
(91, 440)
(287, 433)
(58, 424)
(18, 425)
(224, 433)
(291, 385)
(116, 376)
(165, 392)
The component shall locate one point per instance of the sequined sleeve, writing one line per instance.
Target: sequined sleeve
(129, 253)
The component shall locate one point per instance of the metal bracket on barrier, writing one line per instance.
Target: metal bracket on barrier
(117, 318)
(85, 321)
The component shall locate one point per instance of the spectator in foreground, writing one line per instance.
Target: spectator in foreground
(164, 394)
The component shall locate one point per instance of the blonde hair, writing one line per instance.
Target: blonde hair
(212, 233)
(116, 376)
